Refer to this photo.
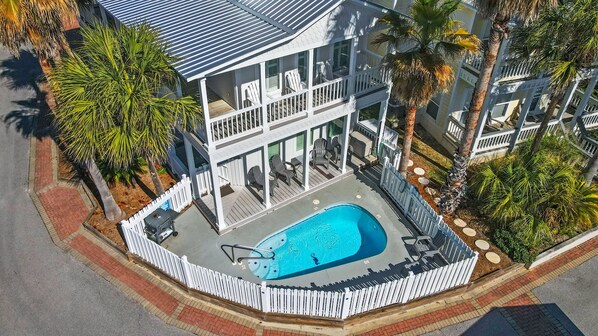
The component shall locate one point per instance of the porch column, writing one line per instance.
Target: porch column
(266, 166)
(486, 110)
(217, 195)
(191, 166)
(352, 61)
(567, 99)
(522, 115)
(263, 95)
(206, 111)
(345, 143)
(382, 121)
(310, 82)
(583, 103)
(306, 149)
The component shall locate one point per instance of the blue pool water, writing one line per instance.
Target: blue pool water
(334, 236)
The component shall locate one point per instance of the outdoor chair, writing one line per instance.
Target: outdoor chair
(294, 83)
(280, 168)
(252, 95)
(334, 149)
(319, 155)
(257, 180)
(425, 246)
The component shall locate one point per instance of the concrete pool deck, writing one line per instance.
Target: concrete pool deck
(202, 245)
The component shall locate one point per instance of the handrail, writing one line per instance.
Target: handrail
(245, 247)
(234, 113)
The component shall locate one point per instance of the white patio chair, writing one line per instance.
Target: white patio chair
(252, 94)
(294, 83)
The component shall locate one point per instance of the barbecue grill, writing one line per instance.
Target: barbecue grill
(160, 225)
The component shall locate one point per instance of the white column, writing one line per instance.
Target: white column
(310, 82)
(266, 168)
(217, 195)
(583, 103)
(500, 60)
(263, 95)
(352, 61)
(191, 166)
(522, 115)
(345, 143)
(206, 111)
(179, 88)
(567, 99)
(486, 110)
(382, 121)
(306, 149)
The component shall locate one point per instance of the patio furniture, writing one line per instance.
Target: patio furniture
(294, 83)
(335, 149)
(252, 94)
(425, 246)
(159, 225)
(257, 179)
(280, 169)
(362, 145)
(295, 164)
(319, 154)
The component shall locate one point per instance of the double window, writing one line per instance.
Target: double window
(272, 75)
(340, 58)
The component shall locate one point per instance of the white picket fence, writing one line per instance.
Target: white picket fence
(316, 303)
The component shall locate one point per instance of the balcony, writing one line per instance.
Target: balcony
(228, 124)
(510, 71)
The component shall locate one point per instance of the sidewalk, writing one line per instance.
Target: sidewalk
(63, 207)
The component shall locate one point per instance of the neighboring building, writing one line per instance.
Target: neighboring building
(272, 76)
(515, 103)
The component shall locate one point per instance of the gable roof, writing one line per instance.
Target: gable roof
(207, 34)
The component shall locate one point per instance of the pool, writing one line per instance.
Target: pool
(337, 235)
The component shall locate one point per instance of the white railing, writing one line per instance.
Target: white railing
(236, 123)
(590, 121)
(494, 141)
(511, 70)
(473, 60)
(529, 131)
(455, 129)
(590, 108)
(204, 178)
(369, 80)
(176, 198)
(588, 145)
(331, 92)
(287, 106)
(317, 303)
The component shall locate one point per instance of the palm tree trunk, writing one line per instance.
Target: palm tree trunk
(554, 100)
(407, 139)
(454, 188)
(112, 211)
(591, 169)
(155, 177)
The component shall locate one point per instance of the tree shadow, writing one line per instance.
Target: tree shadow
(23, 72)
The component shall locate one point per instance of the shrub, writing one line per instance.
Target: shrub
(514, 247)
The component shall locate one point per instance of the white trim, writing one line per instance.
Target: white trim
(564, 247)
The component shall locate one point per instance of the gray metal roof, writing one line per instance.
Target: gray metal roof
(206, 34)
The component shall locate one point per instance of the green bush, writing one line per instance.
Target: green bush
(514, 247)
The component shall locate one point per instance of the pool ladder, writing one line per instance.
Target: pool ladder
(248, 248)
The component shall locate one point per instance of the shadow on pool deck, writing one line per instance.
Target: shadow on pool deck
(202, 246)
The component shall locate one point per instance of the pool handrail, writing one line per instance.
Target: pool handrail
(250, 248)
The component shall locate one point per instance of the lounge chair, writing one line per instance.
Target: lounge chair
(257, 180)
(335, 150)
(252, 95)
(294, 83)
(427, 247)
(319, 155)
(280, 168)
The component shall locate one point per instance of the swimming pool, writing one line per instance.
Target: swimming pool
(334, 236)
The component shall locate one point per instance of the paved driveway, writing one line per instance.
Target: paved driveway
(43, 290)
(569, 302)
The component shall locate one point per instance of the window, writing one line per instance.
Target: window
(433, 106)
(272, 72)
(302, 59)
(299, 140)
(335, 127)
(370, 112)
(273, 149)
(500, 108)
(340, 57)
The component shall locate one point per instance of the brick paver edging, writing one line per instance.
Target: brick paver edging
(63, 208)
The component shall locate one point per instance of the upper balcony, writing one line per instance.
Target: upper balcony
(509, 70)
(251, 101)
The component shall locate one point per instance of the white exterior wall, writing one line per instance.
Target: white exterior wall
(224, 86)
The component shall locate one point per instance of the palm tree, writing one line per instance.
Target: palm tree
(500, 13)
(422, 47)
(561, 44)
(38, 22)
(108, 103)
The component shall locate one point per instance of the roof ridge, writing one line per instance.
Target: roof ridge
(263, 17)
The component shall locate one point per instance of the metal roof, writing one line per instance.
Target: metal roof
(207, 34)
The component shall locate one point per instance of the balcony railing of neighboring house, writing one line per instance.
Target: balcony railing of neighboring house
(583, 141)
(246, 121)
(510, 70)
(590, 113)
(498, 140)
(590, 120)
